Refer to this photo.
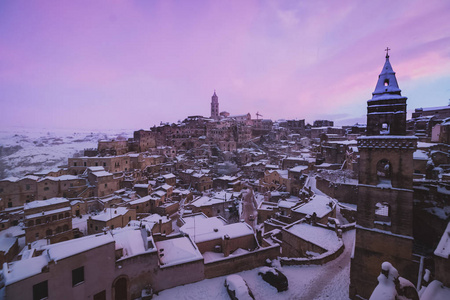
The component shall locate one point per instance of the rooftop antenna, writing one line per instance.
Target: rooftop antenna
(258, 115)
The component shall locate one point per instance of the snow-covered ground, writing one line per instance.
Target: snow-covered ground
(35, 150)
(329, 281)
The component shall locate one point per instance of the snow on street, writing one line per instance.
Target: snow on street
(329, 281)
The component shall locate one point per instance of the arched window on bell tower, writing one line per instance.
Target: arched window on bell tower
(384, 172)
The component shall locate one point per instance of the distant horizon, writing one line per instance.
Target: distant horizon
(134, 64)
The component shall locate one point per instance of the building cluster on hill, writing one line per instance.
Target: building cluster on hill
(213, 196)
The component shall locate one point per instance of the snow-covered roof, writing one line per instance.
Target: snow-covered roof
(318, 205)
(96, 169)
(102, 174)
(110, 213)
(286, 204)
(130, 240)
(177, 251)
(48, 212)
(141, 185)
(22, 269)
(154, 218)
(206, 201)
(443, 248)
(214, 228)
(140, 200)
(168, 176)
(165, 187)
(6, 243)
(43, 203)
(60, 178)
(322, 237)
(298, 168)
(420, 155)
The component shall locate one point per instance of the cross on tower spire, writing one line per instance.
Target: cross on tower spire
(387, 52)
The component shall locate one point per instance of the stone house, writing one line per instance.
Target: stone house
(18, 191)
(319, 207)
(110, 218)
(104, 183)
(276, 180)
(141, 205)
(50, 219)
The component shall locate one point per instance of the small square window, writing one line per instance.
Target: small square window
(77, 276)
(40, 291)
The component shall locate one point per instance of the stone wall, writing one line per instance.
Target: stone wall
(240, 263)
(343, 192)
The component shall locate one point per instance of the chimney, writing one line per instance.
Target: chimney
(225, 245)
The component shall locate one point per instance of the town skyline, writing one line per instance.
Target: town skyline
(136, 64)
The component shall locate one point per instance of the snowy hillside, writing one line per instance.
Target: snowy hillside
(35, 150)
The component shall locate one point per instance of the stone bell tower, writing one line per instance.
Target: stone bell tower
(215, 106)
(385, 197)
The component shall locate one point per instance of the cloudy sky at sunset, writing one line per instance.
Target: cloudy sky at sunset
(132, 64)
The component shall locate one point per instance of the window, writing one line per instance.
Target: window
(38, 221)
(96, 163)
(77, 276)
(40, 290)
(74, 164)
(84, 164)
(1, 190)
(46, 188)
(27, 187)
(112, 226)
(386, 82)
(91, 226)
(100, 296)
(10, 204)
(96, 228)
(106, 184)
(384, 171)
(104, 164)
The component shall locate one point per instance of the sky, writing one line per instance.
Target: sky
(133, 64)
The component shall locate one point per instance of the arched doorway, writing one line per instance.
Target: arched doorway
(120, 289)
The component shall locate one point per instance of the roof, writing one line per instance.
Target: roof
(102, 174)
(177, 251)
(23, 269)
(130, 240)
(387, 75)
(443, 248)
(318, 205)
(322, 237)
(110, 213)
(44, 203)
(215, 228)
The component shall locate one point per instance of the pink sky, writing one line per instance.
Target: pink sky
(132, 64)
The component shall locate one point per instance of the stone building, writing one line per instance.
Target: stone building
(50, 219)
(112, 147)
(110, 218)
(385, 196)
(16, 192)
(214, 106)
